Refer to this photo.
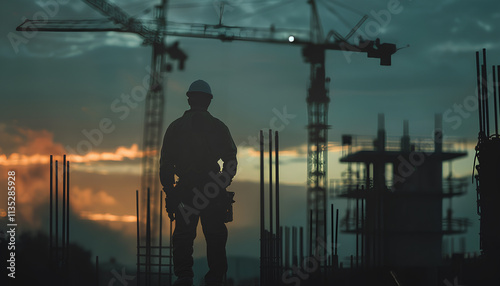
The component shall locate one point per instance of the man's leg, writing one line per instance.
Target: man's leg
(182, 240)
(215, 232)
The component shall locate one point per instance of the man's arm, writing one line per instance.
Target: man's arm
(228, 153)
(167, 168)
(167, 172)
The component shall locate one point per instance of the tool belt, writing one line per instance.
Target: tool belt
(223, 202)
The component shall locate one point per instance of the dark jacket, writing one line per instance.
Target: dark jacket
(192, 147)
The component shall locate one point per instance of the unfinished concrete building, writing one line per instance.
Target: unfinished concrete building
(396, 199)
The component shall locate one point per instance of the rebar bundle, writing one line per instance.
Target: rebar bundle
(59, 242)
(271, 249)
(150, 257)
(488, 168)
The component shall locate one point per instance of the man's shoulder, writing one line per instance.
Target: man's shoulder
(219, 123)
(216, 120)
(207, 117)
(175, 122)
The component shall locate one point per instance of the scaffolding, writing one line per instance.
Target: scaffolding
(389, 215)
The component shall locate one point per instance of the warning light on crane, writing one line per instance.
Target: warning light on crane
(291, 39)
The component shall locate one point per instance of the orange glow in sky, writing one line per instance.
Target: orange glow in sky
(121, 153)
(107, 217)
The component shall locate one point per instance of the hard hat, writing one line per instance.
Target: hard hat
(200, 86)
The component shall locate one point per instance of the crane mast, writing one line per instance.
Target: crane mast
(154, 104)
(317, 144)
(153, 119)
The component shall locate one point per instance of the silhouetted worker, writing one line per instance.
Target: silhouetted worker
(192, 147)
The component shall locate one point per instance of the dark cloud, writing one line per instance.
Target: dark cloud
(252, 79)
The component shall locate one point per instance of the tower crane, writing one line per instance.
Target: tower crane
(152, 34)
(313, 43)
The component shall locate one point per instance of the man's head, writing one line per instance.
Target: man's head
(199, 94)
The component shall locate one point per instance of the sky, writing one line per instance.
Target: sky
(58, 87)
